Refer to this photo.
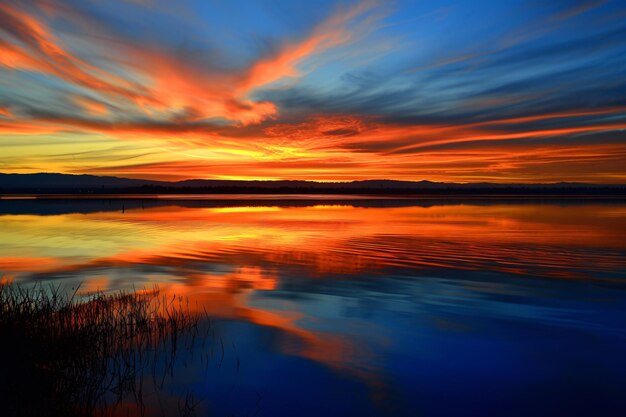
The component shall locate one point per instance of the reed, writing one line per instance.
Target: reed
(83, 356)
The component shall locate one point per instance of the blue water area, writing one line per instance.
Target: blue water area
(439, 346)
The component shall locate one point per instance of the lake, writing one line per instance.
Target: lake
(344, 305)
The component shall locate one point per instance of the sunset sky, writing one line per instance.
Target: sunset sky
(511, 91)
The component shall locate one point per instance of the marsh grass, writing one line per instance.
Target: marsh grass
(66, 355)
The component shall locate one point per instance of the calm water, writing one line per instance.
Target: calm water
(362, 307)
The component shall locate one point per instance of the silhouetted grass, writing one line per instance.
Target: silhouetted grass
(65, 355)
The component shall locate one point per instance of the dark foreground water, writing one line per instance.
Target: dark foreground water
(359, 307)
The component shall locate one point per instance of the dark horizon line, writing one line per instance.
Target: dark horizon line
(85, 184)
(312, 182)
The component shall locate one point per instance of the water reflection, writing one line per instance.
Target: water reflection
(397, 304)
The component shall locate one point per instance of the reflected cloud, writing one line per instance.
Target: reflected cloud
(322, 276)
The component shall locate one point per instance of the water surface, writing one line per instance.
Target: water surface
(361, 306)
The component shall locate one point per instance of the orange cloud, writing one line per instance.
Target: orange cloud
(329, 34)
(201, 94)
(176, 89)
(352, 147)
(177, 100)
(92, 107)
(195, 121)
(37, 49)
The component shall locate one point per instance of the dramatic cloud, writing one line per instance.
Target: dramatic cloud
(526, 92)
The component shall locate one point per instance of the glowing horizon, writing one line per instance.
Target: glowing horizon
(336, 91)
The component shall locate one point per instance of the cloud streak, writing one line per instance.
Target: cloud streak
(349, 91)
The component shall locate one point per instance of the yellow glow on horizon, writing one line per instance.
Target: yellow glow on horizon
(311, 155)
(245, 209)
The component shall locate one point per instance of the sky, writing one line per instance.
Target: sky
(464, 91)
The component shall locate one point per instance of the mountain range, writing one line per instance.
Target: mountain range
(53, 183)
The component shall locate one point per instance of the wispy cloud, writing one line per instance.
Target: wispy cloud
(344, 91)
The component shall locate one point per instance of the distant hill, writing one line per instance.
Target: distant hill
(49, 183)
